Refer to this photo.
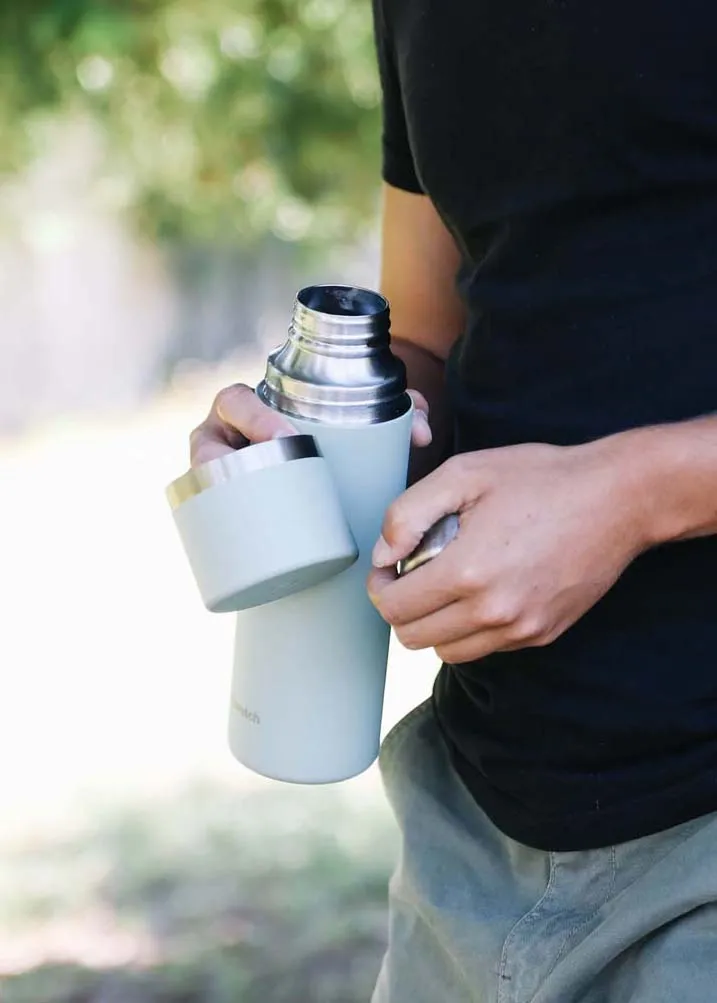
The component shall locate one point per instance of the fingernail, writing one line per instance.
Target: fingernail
(382, 555)
(283, 433)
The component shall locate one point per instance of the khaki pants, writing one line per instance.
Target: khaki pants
(477, 917)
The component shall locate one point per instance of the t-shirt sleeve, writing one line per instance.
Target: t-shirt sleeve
(398, 167)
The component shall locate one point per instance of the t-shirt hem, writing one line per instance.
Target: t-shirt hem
(590, 830)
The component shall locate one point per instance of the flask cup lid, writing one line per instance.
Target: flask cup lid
(261, 523)
(239, 463)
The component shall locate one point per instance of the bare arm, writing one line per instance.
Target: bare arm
(419, 261)
(671, 473)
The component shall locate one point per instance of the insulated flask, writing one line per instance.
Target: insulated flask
(309, 669)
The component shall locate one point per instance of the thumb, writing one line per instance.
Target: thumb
(448, 489)
(239, 408)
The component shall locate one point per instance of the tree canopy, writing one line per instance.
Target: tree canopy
(221, 119)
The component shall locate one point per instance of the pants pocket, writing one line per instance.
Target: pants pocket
(393, 741)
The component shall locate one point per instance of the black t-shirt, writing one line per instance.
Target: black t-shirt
(571, 149)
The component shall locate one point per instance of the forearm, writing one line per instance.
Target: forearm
(419, 263)
(670, 476)
(425, 373)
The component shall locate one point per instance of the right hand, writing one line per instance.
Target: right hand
(238, 418)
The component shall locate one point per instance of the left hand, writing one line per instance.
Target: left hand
(545, 531)
(238, 418)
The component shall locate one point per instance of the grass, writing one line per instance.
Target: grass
(209, 898)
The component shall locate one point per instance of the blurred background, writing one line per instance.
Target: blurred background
(171, 171)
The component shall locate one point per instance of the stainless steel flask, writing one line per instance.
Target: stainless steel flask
(309, 669)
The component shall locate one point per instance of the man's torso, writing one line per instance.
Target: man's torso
(572, 151)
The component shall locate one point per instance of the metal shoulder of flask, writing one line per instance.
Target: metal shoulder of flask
(336, 366)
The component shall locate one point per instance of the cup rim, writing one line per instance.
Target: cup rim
(239, 463)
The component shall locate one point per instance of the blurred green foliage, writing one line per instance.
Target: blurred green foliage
(221, 119)
(265, 897)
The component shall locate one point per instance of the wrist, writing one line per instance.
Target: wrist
(648, 466)
(629, 465)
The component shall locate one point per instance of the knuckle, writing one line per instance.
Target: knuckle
(443, 652)
(452, 654)
(469, 578)
(499, 611)
(395, 523)
(541, 642)
(235, 391)
(238, 395)
(529, 629)
(544, 638)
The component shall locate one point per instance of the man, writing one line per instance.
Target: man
(557, 797)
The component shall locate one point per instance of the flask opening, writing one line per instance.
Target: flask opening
(342, 301)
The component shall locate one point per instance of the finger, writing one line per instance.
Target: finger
(448, 489)
(421, 434)
(479, 645)
(425, 591)
(208, 449)
(212, 439)
(451, 623)
(419, 401)
(378, 580)
(239, 407)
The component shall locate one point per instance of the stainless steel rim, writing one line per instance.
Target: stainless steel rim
(239, 463)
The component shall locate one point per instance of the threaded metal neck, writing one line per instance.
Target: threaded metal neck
(336, 365)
